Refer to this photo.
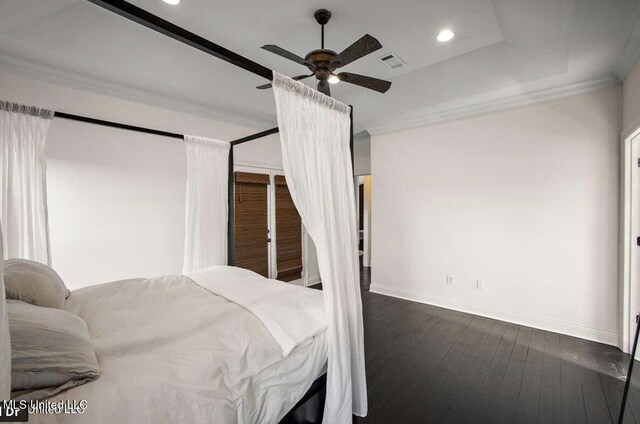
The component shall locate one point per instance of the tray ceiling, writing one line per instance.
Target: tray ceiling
(502, 48)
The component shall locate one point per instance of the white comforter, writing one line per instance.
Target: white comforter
(173, 352)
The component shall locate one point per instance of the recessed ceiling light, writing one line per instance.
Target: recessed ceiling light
(334, 79)
(444, 35)
(172, 2)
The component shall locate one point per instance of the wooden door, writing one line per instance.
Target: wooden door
(288, 233)
(252, 222)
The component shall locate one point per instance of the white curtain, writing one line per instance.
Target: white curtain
(314, 133)
(23, 136)
(206, 207)
(5, 344)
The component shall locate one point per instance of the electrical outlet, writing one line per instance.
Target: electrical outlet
(479, 284)
(450, 280)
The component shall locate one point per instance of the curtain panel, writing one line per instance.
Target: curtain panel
(314, 134)
(5, 343)
(206, 203)
(23, 136)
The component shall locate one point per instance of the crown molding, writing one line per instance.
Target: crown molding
(465, 108)
(41, 71)
(630, 54)
(482, 105)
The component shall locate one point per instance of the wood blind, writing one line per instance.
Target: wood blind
(251, 222)
(288, 233)
(249, 177)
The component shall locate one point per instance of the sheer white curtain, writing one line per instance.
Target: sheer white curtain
(23, 136)
(206, 206)
(5, 345)
(314, 133)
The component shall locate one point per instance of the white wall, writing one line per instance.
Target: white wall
(262, 153)
(116, 198)
(362, 153)
(631, 101)
(525, 200)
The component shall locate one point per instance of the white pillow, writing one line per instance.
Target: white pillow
(34, 283)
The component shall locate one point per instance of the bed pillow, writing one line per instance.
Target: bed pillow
(35, 283)
(51, 351)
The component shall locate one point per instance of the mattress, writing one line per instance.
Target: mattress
(173, 352)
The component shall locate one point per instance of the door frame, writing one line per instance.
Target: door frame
(272, 217)
(366, 212)
(629, 252)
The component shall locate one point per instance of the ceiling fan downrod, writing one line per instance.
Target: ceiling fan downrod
(322, 17)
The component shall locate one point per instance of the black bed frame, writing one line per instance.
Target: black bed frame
(313, 400)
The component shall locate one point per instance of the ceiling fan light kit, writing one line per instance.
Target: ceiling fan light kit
(323, 62)
(334, 79)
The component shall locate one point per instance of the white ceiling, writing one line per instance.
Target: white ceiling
(502, 48)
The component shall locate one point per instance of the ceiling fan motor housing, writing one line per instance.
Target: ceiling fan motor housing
(323, 60)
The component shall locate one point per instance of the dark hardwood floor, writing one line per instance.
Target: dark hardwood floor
(433, 365)
(427, 364)
(365, 277)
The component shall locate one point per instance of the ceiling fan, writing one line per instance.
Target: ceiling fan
(323, 62)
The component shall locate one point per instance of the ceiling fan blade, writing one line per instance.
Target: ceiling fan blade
(323, 87)
(363, 81)
(287, 55)
(297, 78)
(365, 45)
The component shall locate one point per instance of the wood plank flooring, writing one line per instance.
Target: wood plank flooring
(432, 365)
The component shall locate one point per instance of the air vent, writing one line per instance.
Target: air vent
(392, 61)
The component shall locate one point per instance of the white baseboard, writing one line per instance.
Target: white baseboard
(583, 332)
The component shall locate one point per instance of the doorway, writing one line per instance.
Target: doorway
(630, 269)
(363, 201)
(269, 236)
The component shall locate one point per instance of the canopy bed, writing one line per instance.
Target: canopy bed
(269, 369)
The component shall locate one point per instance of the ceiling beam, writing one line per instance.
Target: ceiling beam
(156, 23)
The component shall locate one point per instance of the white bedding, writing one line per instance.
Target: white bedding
(173, 352)
(292, 314)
